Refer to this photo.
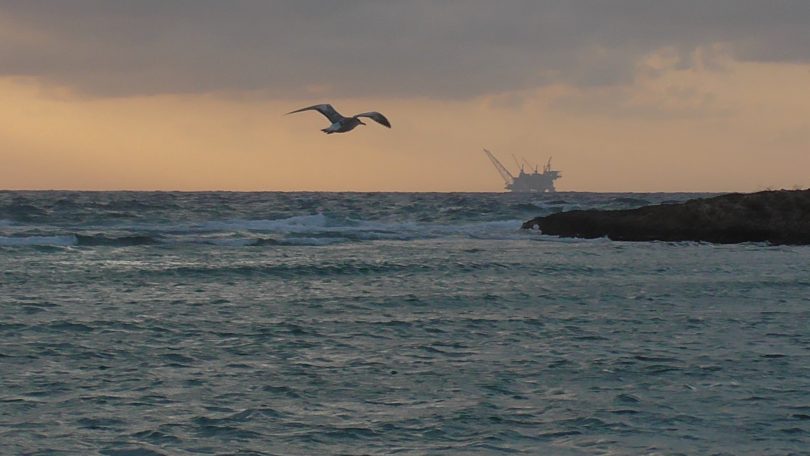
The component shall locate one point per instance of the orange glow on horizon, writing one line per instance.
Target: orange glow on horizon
(742, 128)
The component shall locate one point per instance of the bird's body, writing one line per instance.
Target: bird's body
(341, 124)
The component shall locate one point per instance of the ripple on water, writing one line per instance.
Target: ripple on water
(427, 340)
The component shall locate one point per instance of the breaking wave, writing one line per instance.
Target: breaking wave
(314, 230)
(121, 241)
(277, 219)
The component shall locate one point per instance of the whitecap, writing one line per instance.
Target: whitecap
(290, 224)
(313, 227)
(304, 241)
(232, 242)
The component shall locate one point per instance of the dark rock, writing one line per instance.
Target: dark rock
(778, 217)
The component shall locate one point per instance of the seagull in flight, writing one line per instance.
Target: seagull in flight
(342, 124)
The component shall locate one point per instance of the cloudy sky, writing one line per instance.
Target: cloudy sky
(190, 94)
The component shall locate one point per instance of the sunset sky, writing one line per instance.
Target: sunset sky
(190, 94)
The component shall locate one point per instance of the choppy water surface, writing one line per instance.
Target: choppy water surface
(317, 323)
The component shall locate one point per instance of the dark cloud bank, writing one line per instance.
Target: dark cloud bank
(398, 48)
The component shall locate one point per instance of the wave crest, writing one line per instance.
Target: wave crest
(38, 241)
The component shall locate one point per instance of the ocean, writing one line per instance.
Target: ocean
(139, 323)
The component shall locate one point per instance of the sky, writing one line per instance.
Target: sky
(623, 95)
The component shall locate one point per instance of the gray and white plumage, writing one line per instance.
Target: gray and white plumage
(341, 124)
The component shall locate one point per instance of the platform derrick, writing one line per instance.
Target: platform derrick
(526, 182)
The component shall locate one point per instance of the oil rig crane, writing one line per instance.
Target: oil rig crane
(525, 182)
(508, 178)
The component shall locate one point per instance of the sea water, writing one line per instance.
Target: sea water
(388, 323)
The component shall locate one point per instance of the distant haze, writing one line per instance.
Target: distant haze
(189, 94)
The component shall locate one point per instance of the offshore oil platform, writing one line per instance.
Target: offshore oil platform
(526, 182)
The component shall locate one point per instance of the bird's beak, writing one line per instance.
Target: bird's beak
(361, 122)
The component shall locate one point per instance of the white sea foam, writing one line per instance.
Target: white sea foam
(300, 223)
(313, 241)
(314, 229)
(299, 227)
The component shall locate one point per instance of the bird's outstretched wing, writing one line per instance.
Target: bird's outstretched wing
(376, 116)
(325, 109)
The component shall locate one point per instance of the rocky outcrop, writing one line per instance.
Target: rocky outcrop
(778, 217)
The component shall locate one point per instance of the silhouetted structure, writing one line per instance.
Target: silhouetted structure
(526, 182)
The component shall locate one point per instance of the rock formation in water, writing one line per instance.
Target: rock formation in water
(778, 217)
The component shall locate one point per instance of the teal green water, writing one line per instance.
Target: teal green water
(348, 323)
